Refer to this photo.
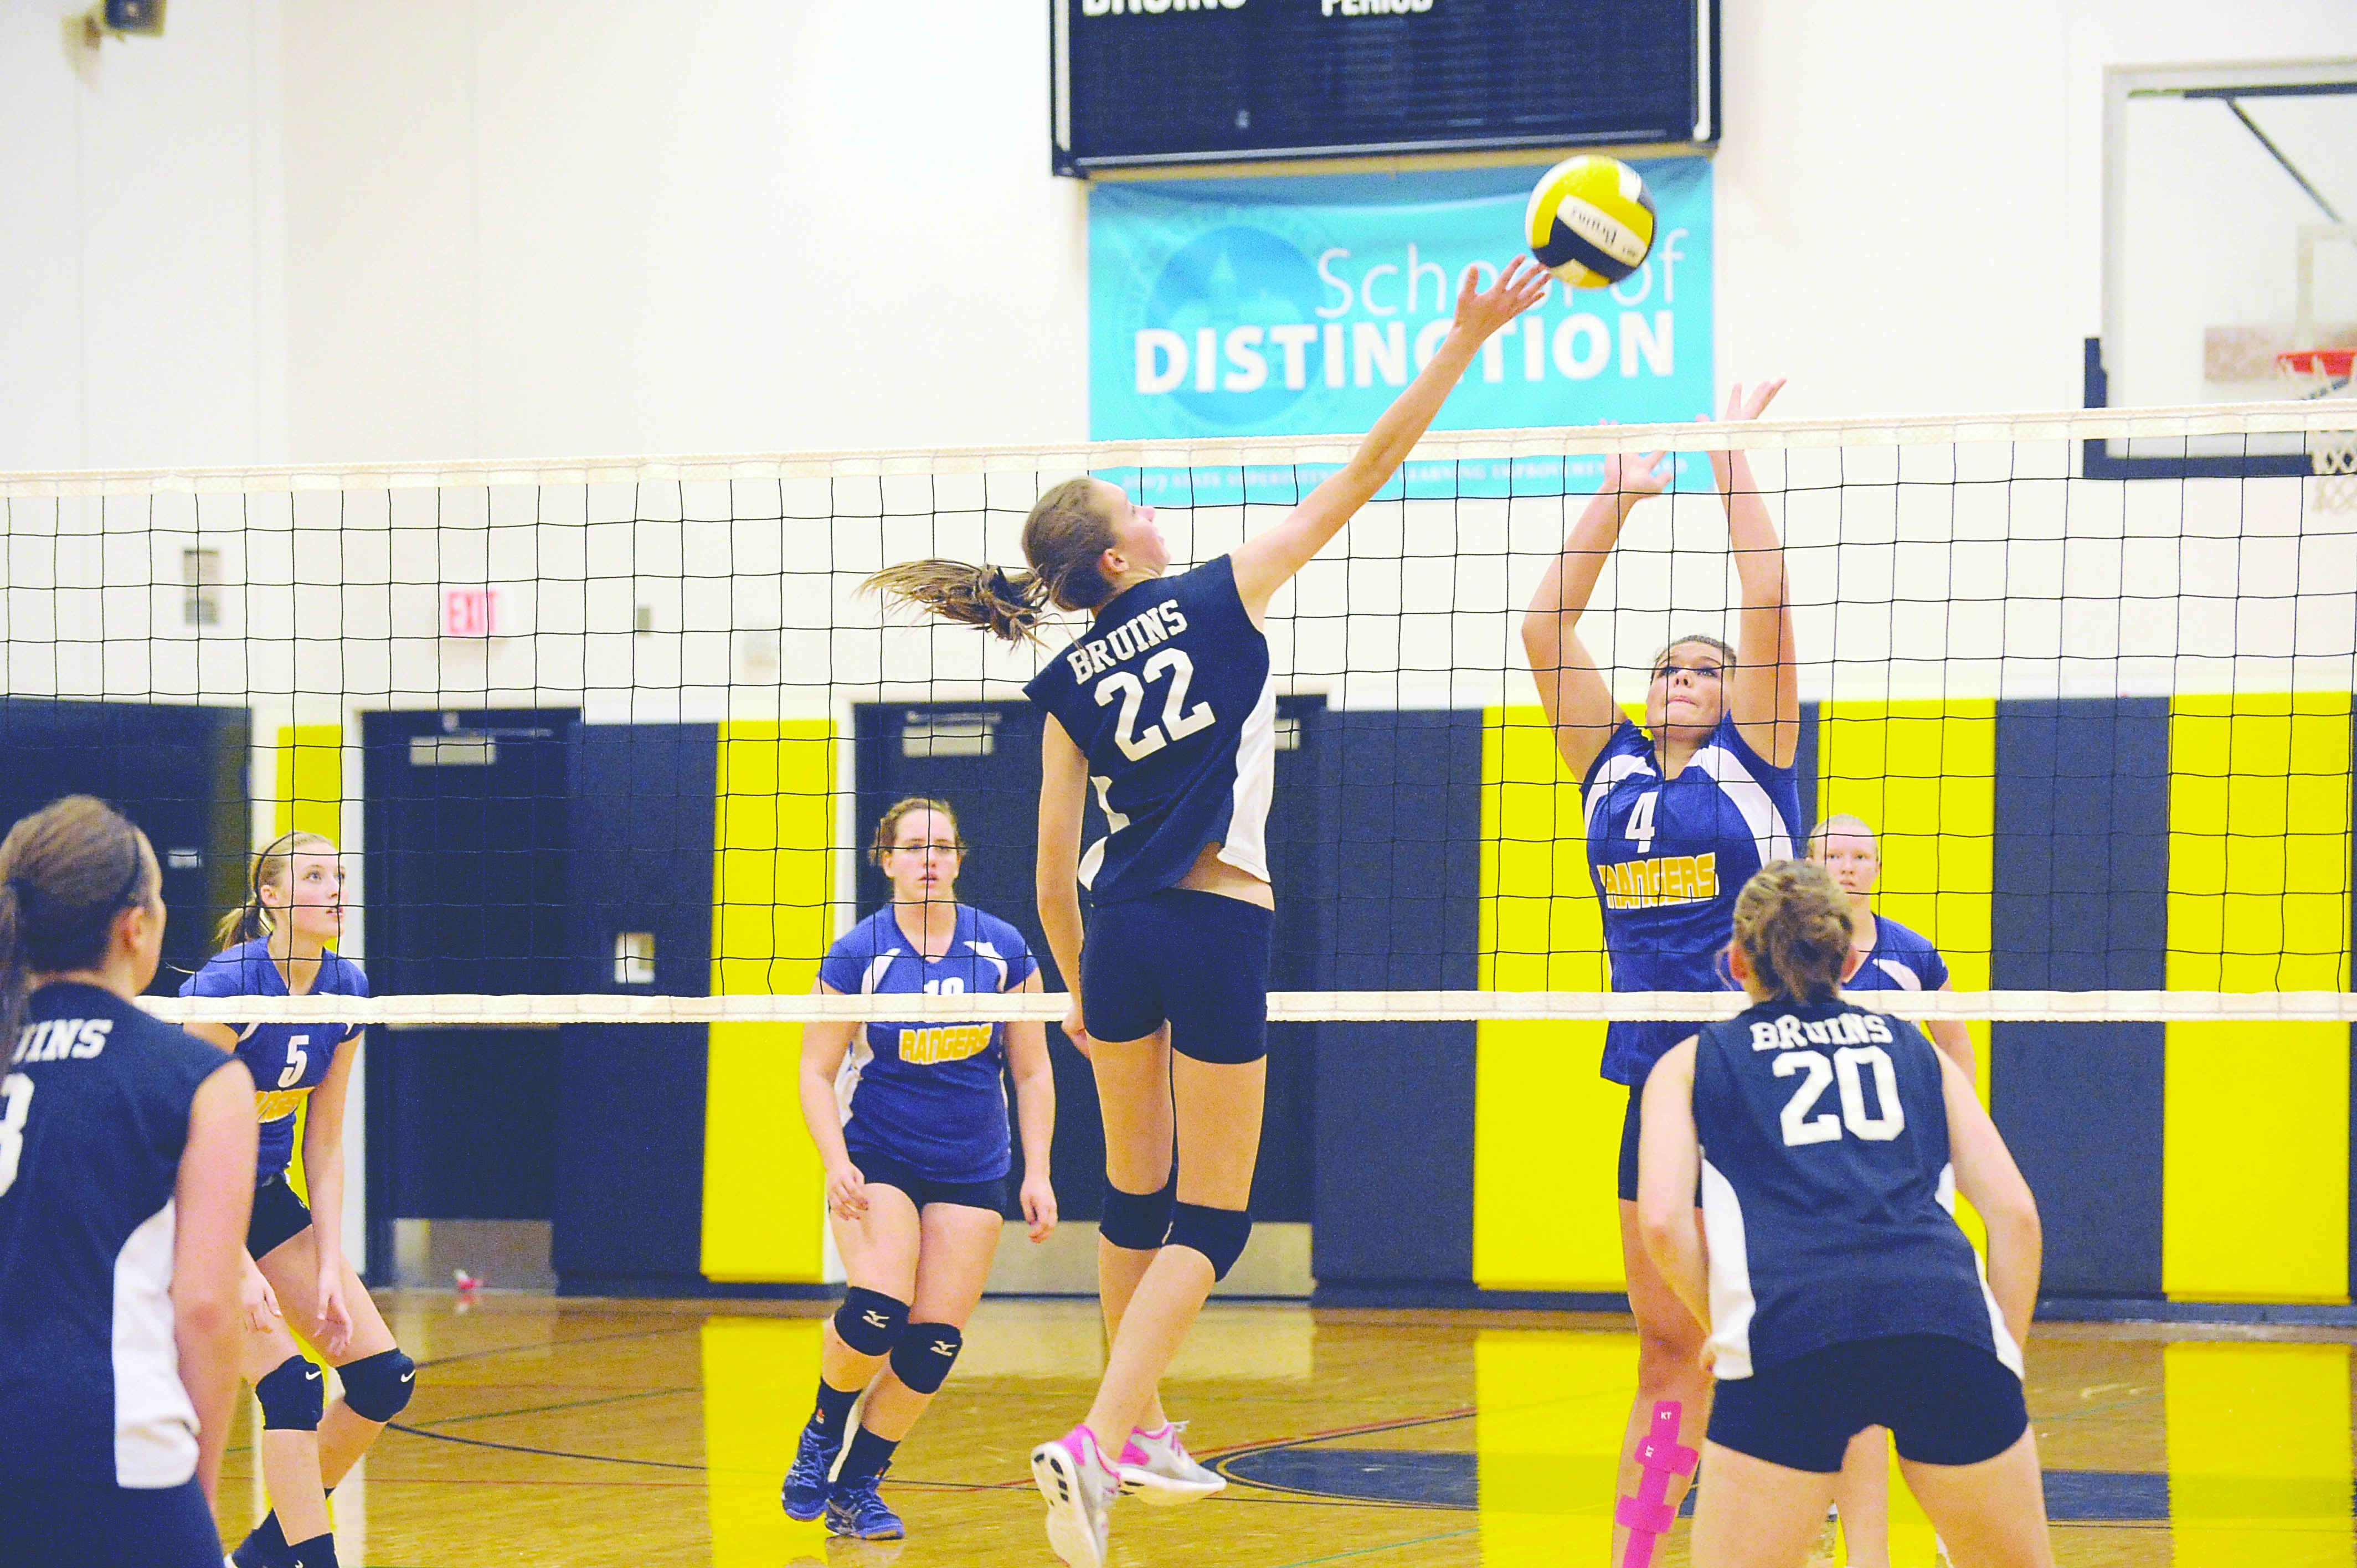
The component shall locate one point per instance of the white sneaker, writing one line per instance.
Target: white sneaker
(1156, 1468)
(1079, 1483)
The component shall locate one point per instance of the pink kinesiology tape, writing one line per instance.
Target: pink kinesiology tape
(1649, 1515)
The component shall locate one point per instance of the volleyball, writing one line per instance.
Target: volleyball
(1590, 222)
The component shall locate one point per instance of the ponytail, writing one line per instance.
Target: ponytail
(251, 917)
(65, 871)
(1064, 539)
(1792, 920)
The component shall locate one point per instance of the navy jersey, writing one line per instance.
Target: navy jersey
(1169, 695)
(1828, 1200)
(1901, 960)
(1668, 857)
(288, 1060)
(93, 1117)
(929, 1095)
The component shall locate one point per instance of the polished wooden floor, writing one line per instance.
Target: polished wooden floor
(645, 1434)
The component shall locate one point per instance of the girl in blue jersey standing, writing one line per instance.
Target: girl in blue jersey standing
(127, 1161)
(1829, 1143)
(910, 1121)
(1165, 707)
(279, 943)
(1890, 957)
(1679, 814)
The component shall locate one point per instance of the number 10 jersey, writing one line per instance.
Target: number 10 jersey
(1168, 696)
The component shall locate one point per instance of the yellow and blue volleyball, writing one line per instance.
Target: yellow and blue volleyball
(1590, 222)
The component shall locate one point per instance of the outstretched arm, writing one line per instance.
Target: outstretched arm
(1578, 702)
(1765, 694)
(1267, 561)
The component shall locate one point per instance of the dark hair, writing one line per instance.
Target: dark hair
(1792, 920)
(1727, 661)
(888, 829)
(251, 919)
(65, 873)
(1066, 534)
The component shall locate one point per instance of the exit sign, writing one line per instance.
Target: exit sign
(471, 612)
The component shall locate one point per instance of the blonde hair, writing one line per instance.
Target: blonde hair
(1792, 920)
(1844, 822)
(65, 871)
(1065, 536)
(1726, 659)
(887, 827)
(251, 919)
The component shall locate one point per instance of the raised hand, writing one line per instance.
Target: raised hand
(1523, 285)
(1634, 476)
(1740, 405)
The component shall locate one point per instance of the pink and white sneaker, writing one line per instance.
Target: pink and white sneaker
(1079, 1483)
(1156, 1468)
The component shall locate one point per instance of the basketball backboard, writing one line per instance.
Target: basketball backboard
(2229, 231)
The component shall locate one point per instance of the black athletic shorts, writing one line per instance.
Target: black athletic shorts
(1945, 1402)
(279, 1218)
(49, 1523)
(923, 1190)
(1632, 1124)
(1196, 961)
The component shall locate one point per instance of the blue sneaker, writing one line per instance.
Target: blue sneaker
(854, 1508)
(804, 1493)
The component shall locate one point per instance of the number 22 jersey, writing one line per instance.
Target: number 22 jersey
(288, 1060)
(1169, 695)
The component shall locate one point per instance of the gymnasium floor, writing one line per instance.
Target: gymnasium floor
(647, 1433)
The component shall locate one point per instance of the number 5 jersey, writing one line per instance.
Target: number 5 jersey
(1168, 696)
(288, 1060)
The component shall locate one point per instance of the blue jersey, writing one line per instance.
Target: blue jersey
(1901, 960)
(1168, 696)
(930, 1095)
(1827, 1196)
(93, 1117)
(1669, 856)
(288, 1060)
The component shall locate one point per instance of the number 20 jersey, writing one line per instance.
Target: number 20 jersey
(1827, 1193)
(288, 1060)
(1169, 695)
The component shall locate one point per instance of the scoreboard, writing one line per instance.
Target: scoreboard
(1144, 82)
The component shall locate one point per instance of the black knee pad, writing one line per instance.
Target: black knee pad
(869, 1321)
(925, 1355)
(1138, 1220)
(377, 1388)
(1219, 1234)
(293, 1395)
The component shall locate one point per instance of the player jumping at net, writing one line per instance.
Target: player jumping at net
(913, 1131)
(1839, 1292)
(1679, 814)
(279, 943)
(127, 1166)
(1166, 705)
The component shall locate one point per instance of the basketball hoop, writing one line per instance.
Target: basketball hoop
(2320, 373)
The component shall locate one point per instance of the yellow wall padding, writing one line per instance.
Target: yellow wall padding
(2256, 1175)
(1924, 774)
(760, 1378)
(310, 780)
(2258, 1453)
(773, 885)
(1551, 1410)
(1547, 1129)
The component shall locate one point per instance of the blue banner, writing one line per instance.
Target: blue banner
(1301, 305)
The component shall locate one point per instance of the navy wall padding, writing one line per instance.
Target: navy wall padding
(628, 1202)
(2080, 902)
(1394, 1190)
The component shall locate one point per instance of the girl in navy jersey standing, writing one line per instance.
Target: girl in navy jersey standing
(912, 1128)
(1165, 708)
(1679, 813)
(1829, 1143)
(278, 944)
(126, 1169)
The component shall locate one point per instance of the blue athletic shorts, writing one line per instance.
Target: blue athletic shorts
(1945, 1402)
(51, 1524)
(1196, 961)
(279, 1218)
(883, 1170)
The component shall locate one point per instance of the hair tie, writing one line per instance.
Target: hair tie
(1002, 587)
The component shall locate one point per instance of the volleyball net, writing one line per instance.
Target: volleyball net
(606, 741)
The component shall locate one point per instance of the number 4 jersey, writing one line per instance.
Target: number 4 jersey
(1168, 696)
(1827, 1195)
(288, 1060)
